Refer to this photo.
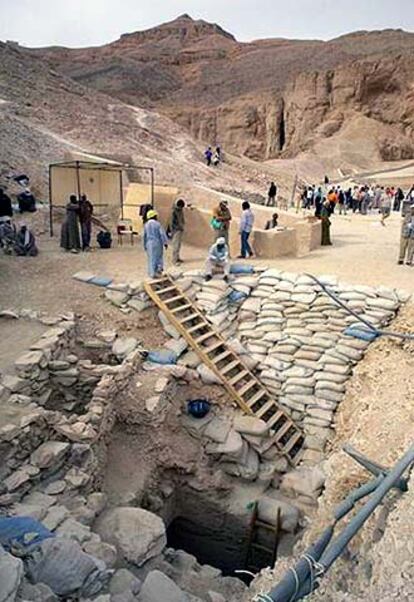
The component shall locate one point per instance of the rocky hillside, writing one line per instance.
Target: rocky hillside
(265, 99)
(44, 114)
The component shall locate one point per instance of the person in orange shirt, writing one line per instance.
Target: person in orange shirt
(333, 199)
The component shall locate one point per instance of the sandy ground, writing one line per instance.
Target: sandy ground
(363, 251)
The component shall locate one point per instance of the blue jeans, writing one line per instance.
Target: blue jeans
(245, 247)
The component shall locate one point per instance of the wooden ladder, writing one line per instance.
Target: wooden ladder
(242, 385)
(261, 554)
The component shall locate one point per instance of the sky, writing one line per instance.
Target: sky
(77, 23)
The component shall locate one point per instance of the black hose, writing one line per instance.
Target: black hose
(373, 328)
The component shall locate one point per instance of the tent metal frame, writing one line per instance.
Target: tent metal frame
(98, 166)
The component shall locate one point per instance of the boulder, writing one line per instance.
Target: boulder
(117, 298)
(137, 534)
(158, 587)
(123, 580)
(101, 550)
(11, 573)
(49, 453)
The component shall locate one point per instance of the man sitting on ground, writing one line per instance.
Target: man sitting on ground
(6, 209)
(272, 223)
(25, 242)
(218, 257)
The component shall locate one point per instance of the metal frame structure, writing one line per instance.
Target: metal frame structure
(104, 166)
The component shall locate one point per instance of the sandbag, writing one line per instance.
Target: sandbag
(164, 356)
(22, 531)
(63, 566)
(238, 268)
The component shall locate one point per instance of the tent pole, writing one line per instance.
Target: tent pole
(78, 179)
(50, 202)
(152, 188)
(121, 192)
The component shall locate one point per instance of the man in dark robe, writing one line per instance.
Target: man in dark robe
(25, 243)
(6, 209)
(85, 218)
(69, 236)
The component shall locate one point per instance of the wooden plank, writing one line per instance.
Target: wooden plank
(222, 356)
(181, 308)
(256, 397)
(247, 387)
(235, 379)
(189, 318)
(172, 299)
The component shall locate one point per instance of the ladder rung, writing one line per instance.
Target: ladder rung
(213, 347)
(166, 290)
(158, 280)
(292, 442)
(204, 336)
(222, 356)
(189, 318)
(256, 397)
(202, 324)
(235, 379)
(181, 308)
(173, 299)
(262, 411)
(275, 418)
(247, 387)
(259, 546)
(268, 526)
(283, 430)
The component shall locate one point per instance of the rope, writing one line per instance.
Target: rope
(373, 328)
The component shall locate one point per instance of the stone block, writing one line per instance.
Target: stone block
(49, 453)
(28, 361)
(117, 298)
(137, 534)
(124, 346)
(13, 383)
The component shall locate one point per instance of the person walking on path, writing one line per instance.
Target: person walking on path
(208, 155)
(218, 256)
(246, 227)
(407, 238)
(326, 223)
(177, 230)
(155, 241)
(69, 235)
(221, 221)
(85, 219)
(341, 201)
(271, 195)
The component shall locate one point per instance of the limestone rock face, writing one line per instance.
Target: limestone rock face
(137, 534)
(262, 99)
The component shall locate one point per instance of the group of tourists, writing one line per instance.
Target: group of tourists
(16, 239)
(213, 157)
(356, 199)
(77, 226)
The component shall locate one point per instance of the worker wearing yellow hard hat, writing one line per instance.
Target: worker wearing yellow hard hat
(155, 241)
